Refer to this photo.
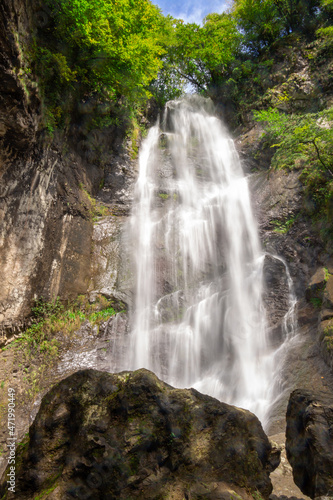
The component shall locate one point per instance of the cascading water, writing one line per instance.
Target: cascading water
(198, 318)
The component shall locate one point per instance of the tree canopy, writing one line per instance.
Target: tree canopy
(111, 49)
(127, 49)
(203, 54)
(207, 55)
(118, 43)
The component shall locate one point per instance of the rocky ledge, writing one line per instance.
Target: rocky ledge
(129, 435)
(309, 442)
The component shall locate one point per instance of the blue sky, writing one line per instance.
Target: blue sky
(191, 11)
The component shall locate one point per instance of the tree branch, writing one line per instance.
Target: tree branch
(313, 141)
(320, 159)
(190, 79)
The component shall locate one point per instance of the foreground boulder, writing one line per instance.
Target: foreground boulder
(309, 442)
(129, 435)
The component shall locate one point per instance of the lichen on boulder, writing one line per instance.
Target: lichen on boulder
(129, 435)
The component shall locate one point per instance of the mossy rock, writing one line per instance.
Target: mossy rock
(130, 435)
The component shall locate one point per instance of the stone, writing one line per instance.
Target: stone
(276, 297)
(328, 294)
(326, 314)
(282, 476)
(309, 441)
(326, 340)
(329, 265)
(316, 285)
(130, 435)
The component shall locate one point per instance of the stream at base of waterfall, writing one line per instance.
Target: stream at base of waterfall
(198, 318)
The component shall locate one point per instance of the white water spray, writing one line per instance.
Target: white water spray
(198, 319)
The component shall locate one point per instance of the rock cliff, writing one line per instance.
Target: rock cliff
(44, 220)
(46, 182)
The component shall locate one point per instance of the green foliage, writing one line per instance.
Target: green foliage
(260, 22)
(50, 318)
(134, 136)
(99, 316)
(169, 85)
(38, 347)
(316, 302)
(220, 57)
(328, 338)
(42, 309)
(265, 21)
(298, 15)
(46, 492)
(283, 227)
(305, 142)
(123, 52)
(112, 45)
(203, 54)
(101, 52)
(257, 495)
(301, 138)
(96, 208)
(246, 84)
(324, 42)
(327, 274)
(164, 196)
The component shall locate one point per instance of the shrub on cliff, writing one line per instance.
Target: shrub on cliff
(304, 141)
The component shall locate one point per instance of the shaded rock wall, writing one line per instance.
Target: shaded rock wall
(129, 435)
(297, 82)
(111, 271)
(309, 442)
(320, 292)
(19, 101)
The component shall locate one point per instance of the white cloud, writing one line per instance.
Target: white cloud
(193, 15)
(194, 12)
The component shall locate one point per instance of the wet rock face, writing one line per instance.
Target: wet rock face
(309, 442)
(111, 271)
(276, 297)
(129, 435)
(45, 233)
(277, 202)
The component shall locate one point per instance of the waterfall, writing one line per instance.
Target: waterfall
(198, 318)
